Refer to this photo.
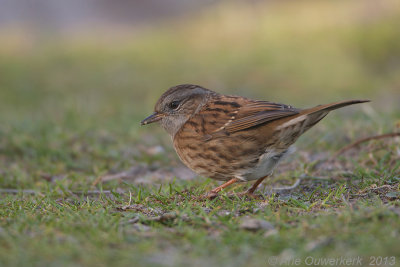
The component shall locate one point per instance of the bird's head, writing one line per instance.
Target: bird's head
(177, 105)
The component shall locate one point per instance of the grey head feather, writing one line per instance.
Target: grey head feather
(189, 99)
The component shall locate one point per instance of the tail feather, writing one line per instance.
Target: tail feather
(315, 114)
(332, 106)
(300, 123)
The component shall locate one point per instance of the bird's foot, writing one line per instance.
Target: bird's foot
(250, 195)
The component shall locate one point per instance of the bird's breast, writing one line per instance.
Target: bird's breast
(240, 155)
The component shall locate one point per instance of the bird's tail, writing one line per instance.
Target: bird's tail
(300, 123)
(332, 106)
(315, 114)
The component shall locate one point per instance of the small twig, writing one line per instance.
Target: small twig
(285, 188)
(296, 183)
(131, 221)
(304, 177)
(34, 192)
(91, 192)
(130, 198)
(97, 180)
(363, 140)
(109, 177)
(17, 191)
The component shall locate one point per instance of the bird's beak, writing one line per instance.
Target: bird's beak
(152, 118)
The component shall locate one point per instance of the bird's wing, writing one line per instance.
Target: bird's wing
(229, 114)
(256, 113)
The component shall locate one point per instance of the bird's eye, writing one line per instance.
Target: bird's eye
(174, 105)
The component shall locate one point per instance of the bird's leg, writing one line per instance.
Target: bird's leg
(219, 188)
(213, 193)
(251, 190)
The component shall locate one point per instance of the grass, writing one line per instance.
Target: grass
(70, 112)
(167, 226)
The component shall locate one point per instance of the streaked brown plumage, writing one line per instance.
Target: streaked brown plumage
(232, 138)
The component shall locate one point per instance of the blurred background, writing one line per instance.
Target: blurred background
(76, 76)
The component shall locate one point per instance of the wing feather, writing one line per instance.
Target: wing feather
(256, 113)
(237, 114)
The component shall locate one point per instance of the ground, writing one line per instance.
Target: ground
(352, 213)
(82, 183)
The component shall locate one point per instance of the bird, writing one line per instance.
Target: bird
(232, 138)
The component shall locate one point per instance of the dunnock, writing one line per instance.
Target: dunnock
(232, 138)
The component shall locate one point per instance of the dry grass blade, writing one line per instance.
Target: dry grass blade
(34, 192)
(363, 140)
(17, 191)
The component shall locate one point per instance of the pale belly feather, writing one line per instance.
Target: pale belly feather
(265, 166)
